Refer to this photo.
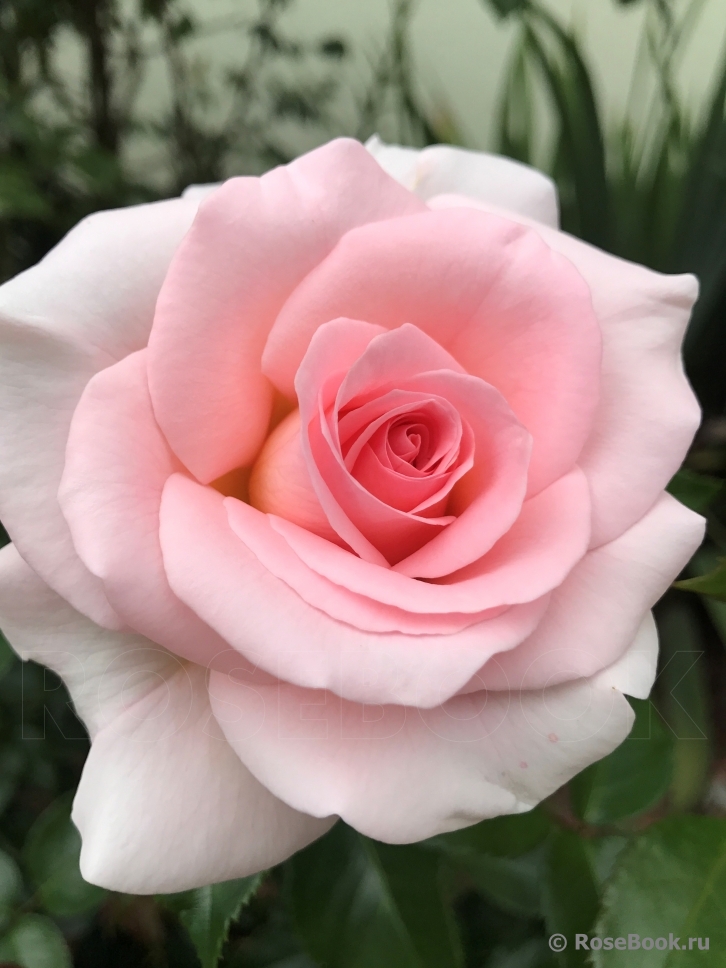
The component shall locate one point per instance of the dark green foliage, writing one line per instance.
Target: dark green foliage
(366, 905)
(570, 893)
(632, 779)
(696, 491)
(712, 584)
(670, 881)
(50, 853)
(208, 912)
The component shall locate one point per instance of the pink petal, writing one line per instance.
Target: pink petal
(595, 613)
(488, 498)
(259, 536)
(252, 242)
(399, 774)
(164, 804)
(647, 413)
(117, 463)
(263, 618)
(508, 308)
(545, 543)
(73, 314)
(280, 483)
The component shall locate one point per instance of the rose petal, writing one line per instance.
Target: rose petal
(634, 672)
(60, 322)
(117, 463)
(489, 497)
(546, 542)
(596, 611)
(280, 483)
(211, 570)
(163, 804)
(259, 536)
(476, 174)
(252, 242)
(193, 814)
(505, 305)
(399, 774)
(647, 413)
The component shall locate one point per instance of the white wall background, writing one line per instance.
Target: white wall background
(461, 48)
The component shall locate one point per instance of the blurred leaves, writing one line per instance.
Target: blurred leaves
(633, 778)
(207, 913)
(712, 584)
(701, 248)
(35, 941)
(579, 158)
(51, 852)
(506, 7)
(684, 699)
(66, 143)
(570, 893)
(359, 904)
(11, 887)
(509, 836)
(671, 880)
(696, 491)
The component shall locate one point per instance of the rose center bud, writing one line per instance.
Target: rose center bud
(405, 454)
(407, 449)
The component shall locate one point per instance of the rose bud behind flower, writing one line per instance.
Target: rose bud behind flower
(337, 492)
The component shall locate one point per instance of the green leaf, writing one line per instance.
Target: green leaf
(208, 912)
(696, 491)
(671, 880)
(506, 7)
(631, 779)
(701, 248)
(19, 196)
(51, 853)
(603, 853)
(501, 857)
(713, 584)
(7, 656)
(683, 698)
(359, 904)
(35, 942)
(580, 160)
(704, 561)
(570, 893)
(509, 836)
(11, 886)
(514, 884)
(12, 763)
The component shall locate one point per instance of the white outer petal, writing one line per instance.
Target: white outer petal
(163, 804)
(87, 304)
(400, 774)
(443, 169)
(195, 193)
(634, 672)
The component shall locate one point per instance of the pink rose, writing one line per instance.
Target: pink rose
(333, 493)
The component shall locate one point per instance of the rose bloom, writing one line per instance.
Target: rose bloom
(337, 492)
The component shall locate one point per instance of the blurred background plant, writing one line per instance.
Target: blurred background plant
(640, 836)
